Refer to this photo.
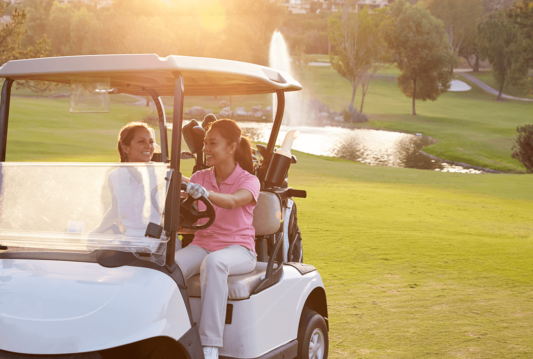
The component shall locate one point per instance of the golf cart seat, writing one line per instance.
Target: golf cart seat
(267, 220)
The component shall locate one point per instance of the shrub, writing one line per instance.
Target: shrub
(352, 115)
(523, 146)
(318, 107)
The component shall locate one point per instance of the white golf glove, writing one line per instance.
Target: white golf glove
(196, 191)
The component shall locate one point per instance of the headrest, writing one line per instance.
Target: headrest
(267, 214)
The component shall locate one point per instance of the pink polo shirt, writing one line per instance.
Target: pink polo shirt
(231, 226)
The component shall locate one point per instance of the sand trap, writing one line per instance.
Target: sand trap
(319, 63)
(458, 86)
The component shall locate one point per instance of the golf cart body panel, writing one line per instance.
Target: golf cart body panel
(253, 317)
(133, 74)
(55, 307)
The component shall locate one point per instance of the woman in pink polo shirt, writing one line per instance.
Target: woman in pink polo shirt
(227, 246)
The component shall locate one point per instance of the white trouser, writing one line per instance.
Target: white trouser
(214, 268)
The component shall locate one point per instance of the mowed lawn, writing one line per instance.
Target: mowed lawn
(471, 127)
(416, 264)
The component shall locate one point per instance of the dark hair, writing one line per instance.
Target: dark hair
(126, 135)
(232, 132)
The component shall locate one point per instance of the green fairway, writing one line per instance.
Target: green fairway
(420, 264)
(470, 126)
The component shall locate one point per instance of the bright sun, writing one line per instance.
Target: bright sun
(212, 16)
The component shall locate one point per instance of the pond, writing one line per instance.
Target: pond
(373, 147)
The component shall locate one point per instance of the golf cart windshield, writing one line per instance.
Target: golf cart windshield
(82, 207)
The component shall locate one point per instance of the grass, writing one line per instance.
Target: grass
(470, 126)
(419, 264)
(416, 263)
(43, 130)
(511, 90)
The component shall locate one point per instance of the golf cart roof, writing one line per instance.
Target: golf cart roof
(134, 73)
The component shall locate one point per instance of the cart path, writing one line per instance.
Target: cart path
(489, 89)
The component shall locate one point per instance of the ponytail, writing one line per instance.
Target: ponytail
(243, 156)
(232, 132)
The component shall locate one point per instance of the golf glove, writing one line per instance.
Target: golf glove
(196, 191)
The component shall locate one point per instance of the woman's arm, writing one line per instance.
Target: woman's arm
(240, 198)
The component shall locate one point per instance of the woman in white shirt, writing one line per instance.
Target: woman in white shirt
(130, 201)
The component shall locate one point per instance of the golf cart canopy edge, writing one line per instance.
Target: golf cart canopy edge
(135, 73)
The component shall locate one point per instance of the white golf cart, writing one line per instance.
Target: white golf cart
(68, 290)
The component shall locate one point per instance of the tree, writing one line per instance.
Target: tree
(11, 44)
(344, 31)
(521, 14)
(359, 47)
(460, 18)
(421, 51)
(499, 41)
(372, 47)
(523, 146)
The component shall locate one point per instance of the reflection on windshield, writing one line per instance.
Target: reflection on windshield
(81, 206)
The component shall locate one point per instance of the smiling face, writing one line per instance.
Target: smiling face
(141, 147)
(218, 150)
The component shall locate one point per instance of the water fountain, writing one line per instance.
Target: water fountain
(296, 110)
(381, 148)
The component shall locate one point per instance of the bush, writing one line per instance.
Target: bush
(352, 115)
(523, 146)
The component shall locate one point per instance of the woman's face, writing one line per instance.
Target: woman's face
(141, 147)
(218, 150)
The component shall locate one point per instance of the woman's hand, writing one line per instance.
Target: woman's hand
(196, 191)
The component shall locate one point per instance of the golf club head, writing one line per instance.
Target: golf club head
(185, 155)
(262, 150)
(208, 120)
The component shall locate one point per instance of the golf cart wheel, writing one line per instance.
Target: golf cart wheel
(313, 339)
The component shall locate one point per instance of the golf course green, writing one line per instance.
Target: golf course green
(416, 263)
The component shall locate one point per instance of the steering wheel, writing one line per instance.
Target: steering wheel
(189, 212)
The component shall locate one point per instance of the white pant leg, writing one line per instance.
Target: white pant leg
(189, 260)
(216, 267)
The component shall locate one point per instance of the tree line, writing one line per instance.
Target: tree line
(426, 40)
(229, 29)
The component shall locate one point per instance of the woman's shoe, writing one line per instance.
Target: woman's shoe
(211, 352)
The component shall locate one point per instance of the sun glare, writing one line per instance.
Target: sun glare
(213, 16)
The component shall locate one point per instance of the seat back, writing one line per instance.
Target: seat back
(267, 214)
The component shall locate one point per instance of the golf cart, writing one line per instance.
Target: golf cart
(70, 289)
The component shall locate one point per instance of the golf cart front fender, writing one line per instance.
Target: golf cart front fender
(60, 307)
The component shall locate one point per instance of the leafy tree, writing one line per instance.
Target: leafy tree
(344, 35)
(372, 47)
(233, 29)
(360, 50)
(521, 14)
(460, 18)
(421, 51)
(11, 44)
(499, 41)
(490, 6)
(523, 146)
